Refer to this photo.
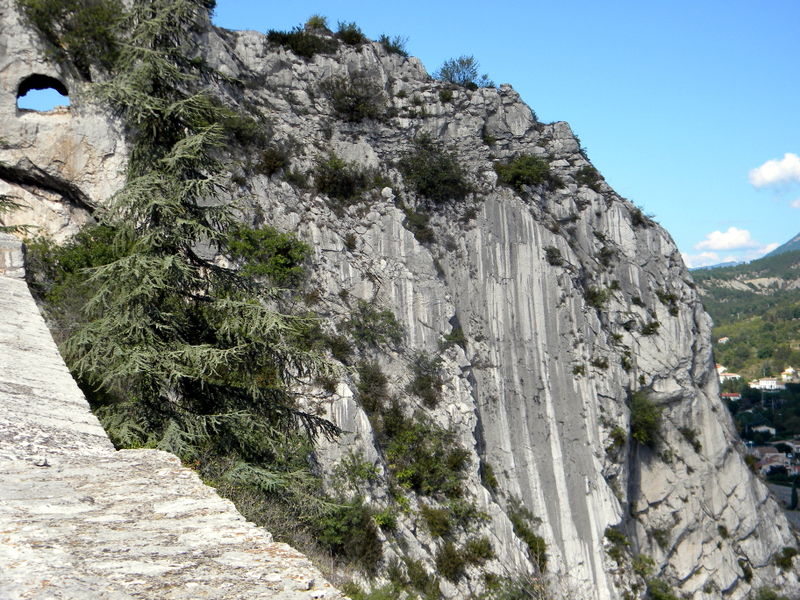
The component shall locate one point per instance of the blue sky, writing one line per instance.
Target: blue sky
(689, 109)
(677, 102)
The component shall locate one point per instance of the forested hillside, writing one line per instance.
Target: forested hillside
(756, 306)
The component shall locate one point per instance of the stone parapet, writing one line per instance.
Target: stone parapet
(80, 520)
(12, 256)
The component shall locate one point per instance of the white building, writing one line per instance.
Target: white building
(766, 383)
(723, 377)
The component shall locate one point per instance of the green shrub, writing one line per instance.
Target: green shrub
(619, 544)
(454, 338)
(450, 562)
(618, 437)
(418, 223)
(691, 436)
(354, 98)
(445, 95)
(355, 471)
(596, 297)
(437, 520)
(784, 558)
(373, 327)
(650, 328)
(394, 45)
(606, 255)
(272, 160)
(463, 71)
(661, 536)
(350, 34)
(350, 241)
(339, 347)
(422, 456)
(525, 170)
(658, 589)
(433, 171)
(521, 521)
(56, 274)
(266, 252)
(553, 256)
(476, 551)
(639, 219)
(296, 178)
(516, 587)
(303, 43)
(599, 362)
(645, 419)
(86, 32)
(421, 580)
(341, 180)
(386, 519)
(317, 22)
(766, 593)
(427, 382)
(747, 571)
(587, 175)
(723, 532)
(348, 530)
(643, 565)
(372, 391)
(488, 478)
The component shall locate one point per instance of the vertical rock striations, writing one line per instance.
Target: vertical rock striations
(552, 303)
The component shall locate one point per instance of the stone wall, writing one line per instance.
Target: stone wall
(80, 520)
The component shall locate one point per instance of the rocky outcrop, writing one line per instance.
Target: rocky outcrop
(81, 520)
(565, 298)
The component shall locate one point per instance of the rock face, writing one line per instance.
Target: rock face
(565, 300)
(81, 520)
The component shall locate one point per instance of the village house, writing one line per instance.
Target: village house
(766, 383)
(729, 377)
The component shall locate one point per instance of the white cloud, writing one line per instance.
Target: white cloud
(732, 239)
(775, 171)
(704, 259)
(796, 203)
(758, 252)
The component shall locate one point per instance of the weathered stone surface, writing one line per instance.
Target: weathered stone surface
(136, 524)
(80, 520)
(44, 413)
(12, 256)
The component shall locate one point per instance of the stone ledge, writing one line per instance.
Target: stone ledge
(136, 524)
(81, 521)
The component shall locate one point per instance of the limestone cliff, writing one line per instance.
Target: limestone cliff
(569, 300)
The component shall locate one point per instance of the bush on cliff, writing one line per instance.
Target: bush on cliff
(463, 71)
(83, 31)
(645, 419)
(433, 171)
(526, 170)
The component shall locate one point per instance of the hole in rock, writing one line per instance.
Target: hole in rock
(41, 93)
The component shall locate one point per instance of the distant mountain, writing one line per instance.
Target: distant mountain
(790, 246)
(730, 263)
(757, 306)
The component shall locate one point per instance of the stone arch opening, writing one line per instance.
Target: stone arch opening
(41, 93)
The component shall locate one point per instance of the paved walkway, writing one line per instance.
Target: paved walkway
(81, 521)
